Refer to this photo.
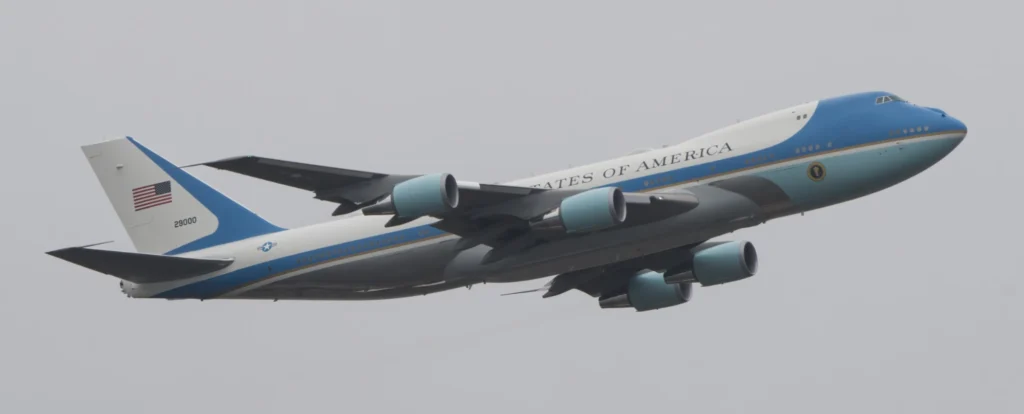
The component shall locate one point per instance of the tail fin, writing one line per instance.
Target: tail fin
(165, 209)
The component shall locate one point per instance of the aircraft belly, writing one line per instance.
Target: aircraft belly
(417, 266)
(324, 292)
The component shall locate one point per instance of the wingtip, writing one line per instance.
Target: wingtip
(218, 164)
(55, 252)
(521, 292)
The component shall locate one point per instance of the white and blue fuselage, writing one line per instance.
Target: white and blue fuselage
(814, 155)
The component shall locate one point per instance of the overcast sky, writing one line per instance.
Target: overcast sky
(906, 300)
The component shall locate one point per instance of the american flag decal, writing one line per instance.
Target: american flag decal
(151, 195)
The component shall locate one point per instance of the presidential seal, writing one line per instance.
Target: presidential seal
(816, 171)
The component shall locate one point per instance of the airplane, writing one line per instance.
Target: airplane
(633, 232)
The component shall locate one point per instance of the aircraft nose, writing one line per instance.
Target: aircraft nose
(957, 126)
(949, 123)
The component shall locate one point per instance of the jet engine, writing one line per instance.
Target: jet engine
(711, 264)
(715, 264)
(649, 291)
(421, 196)
(591, 210)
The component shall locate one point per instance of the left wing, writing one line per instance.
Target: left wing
(351, 189)
(354, 189)
(509, 218)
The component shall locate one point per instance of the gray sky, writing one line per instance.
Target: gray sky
(909, 299)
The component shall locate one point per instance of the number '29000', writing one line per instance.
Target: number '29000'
(184, 222)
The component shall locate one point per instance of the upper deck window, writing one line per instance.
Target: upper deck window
(888, 98)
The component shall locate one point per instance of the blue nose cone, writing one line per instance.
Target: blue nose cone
(948, 123)
(957, 124)
(954, 125)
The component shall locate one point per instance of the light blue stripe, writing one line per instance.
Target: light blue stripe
(227, 282)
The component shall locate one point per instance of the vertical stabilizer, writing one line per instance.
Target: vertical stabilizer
(165, 209)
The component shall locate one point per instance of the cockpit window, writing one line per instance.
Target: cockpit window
(888, 98)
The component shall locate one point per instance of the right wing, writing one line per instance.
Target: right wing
(613, 279)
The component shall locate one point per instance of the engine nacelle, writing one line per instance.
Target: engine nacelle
(425, 195)
(649, 291)
(421, 196)
(718, 264)
(591, 210)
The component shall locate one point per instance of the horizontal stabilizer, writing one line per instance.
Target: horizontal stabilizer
(139, 267)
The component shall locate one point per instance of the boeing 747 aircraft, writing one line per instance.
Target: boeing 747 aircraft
(633, 232)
